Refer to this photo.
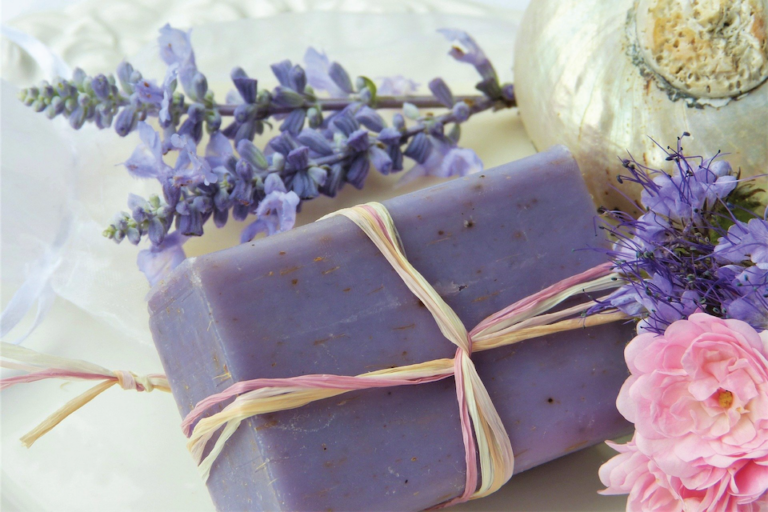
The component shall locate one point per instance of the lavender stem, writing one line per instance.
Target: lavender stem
(383, 102)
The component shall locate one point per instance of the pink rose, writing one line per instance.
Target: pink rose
(698, 396)
(650, 489)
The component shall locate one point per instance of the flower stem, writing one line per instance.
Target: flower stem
(383, 102)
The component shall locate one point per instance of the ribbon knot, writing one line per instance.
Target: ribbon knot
(130, 381)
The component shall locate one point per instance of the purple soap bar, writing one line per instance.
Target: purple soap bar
(322, 299)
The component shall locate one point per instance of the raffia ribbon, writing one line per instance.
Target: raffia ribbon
(43, 366)
(482, 430)
(523, 320)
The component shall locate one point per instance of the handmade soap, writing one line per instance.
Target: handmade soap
(322, 299)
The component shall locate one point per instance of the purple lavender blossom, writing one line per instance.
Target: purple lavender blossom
(176, 48)
(439, 156)
(465, 49)
(158, 261)
(397, 85)
(276, 213)
(234, 176)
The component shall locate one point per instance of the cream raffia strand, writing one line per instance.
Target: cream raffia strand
(42, 366)
(523, 320)
(482, 430)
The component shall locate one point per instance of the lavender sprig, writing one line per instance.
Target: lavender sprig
(699, 245)
(325, 142)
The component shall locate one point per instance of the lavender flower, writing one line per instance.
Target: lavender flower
(397, 85)
(158, 261)
(276, 213)
(689, 251)
(324, 142)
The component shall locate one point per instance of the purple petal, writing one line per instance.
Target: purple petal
(465, 48)
(359, 140)
(247, 89)
(316, 65)
(369, 118)
(142, 163)
(175, 46)
(218, 150)
(156, 263)
(149, 92)
(254, 228)
(294, 122)
(390, 136)
(460, 162)
(298, 158)
(441, 91)
(358, 171)
(315, 141)
(380, 160)
(396, 86)
(340, 77)
(282, 71)
(273, 183)
(419, 148)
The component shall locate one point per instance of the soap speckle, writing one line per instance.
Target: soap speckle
(334, 269)
(469, 223)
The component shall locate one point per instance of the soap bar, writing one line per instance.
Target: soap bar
(322, 299)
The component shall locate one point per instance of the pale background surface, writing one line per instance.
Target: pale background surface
(124, 451)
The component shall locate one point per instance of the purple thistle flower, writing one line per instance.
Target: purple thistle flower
(745, 242)
(669, 258)
(752, 305)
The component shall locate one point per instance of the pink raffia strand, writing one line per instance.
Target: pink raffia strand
(42, 366)
(483, 433)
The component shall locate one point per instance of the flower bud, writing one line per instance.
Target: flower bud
(199, 86)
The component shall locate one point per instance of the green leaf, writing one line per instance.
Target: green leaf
(371, 87)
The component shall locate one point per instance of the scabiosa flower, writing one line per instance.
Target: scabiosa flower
(689, 250)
